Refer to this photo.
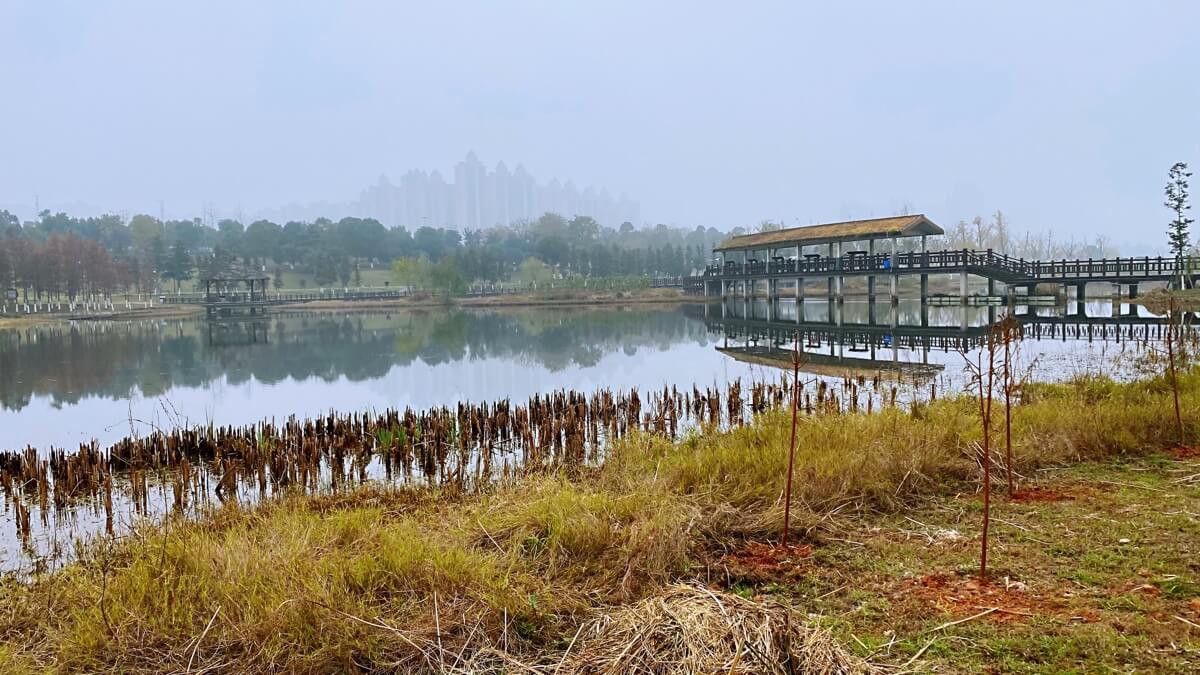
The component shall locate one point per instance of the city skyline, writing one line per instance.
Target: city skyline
(475, 197)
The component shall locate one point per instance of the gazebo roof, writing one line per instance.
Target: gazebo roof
(235, 272)
(851, 230)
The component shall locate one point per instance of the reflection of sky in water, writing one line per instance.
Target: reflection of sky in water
(65, 385)
(392, 363)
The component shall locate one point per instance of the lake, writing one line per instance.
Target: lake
(65, 384)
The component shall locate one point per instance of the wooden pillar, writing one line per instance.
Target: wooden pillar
(841, 280)
(895, 281)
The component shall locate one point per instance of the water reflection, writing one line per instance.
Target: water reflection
(914, 339)
(64, 384)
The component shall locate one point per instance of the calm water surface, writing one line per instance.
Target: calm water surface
(62, 385)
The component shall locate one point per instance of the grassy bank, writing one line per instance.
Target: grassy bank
(152, 312)
(538, 573)
(1158, 300)
(549, 298)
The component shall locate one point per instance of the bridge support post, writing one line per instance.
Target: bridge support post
(991, 287)
(799, 299)
(924, 288)
(962, 288)
(841, 280)
(1133, 291)
(871, 286)
(894, 288)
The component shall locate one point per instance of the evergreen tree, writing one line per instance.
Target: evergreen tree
(1177, 200)
(178, 265)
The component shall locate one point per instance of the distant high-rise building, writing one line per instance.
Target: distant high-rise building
(479, 198)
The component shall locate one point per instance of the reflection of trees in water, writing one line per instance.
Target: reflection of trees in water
(69, 363)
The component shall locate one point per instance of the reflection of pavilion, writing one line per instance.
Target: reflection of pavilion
(857, 338)
(237, 332)
(826, 365)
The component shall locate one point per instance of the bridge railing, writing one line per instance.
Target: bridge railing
(1144, 266)
(956, 260)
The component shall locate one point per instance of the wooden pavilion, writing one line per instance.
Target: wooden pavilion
(235, 290)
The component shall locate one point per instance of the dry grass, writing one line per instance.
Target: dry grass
(1158, 300)
(692, 629)
(395, 580)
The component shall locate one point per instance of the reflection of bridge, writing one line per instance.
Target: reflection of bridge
(773, 355)
(923, 330)
(835, 251)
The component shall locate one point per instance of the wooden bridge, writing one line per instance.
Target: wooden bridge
(835, 251)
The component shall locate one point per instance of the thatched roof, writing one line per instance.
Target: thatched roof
(875, 228)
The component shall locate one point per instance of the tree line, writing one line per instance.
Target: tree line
(146, 253)
(61, 266)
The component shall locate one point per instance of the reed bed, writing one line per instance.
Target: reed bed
(185, 470)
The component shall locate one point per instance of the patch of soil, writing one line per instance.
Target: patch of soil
(1185, 452)
(757, 560)
(967, 594)
(1037, 493)
(1144, 589)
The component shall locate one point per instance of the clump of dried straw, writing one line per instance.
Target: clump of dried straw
(691, 629)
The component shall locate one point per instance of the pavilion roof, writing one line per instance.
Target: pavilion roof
(234, 272)
(875, 228)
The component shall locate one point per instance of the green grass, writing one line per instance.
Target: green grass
(335, 583)
(1098, 604)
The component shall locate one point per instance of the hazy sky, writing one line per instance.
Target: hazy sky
(1064, 114)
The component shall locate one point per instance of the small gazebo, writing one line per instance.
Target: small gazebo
(234, 286)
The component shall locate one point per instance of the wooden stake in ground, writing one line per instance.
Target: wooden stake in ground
(1172, 332)
(787, 490)
(1011, 332)
(985, 413)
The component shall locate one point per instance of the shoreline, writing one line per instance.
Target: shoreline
(558, 298)
(563, 567)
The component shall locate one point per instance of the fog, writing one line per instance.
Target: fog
(1065, 115)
